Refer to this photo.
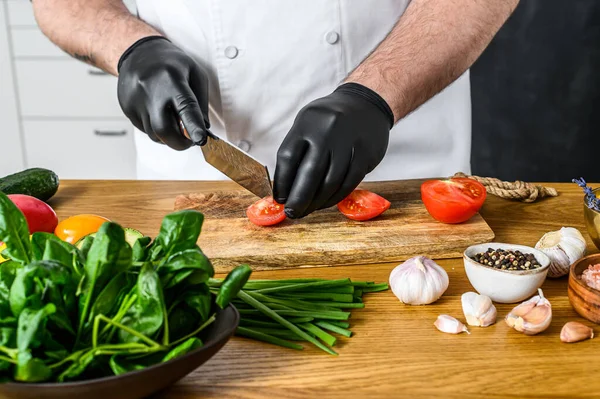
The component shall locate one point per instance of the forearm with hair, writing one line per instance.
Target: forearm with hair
(433, 43)
(93, 31)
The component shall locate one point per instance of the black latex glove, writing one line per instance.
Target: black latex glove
(334, 142)
(159, 83)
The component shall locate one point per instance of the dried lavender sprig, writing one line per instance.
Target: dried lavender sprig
(590, 197)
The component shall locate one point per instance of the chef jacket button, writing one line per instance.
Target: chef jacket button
(244, 145)
(231, 52)
(332, 37)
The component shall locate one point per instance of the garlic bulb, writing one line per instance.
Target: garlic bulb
(450, 325)
(532, 316)
(419, 281)
(478, 309)
(563, 247)
(575, 332)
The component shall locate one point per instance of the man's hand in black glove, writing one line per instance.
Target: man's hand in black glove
(334, 142)
(159, 83)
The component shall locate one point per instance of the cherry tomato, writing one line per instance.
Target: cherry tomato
(266, 212)
(453, 201)
(40, 216)
(76, 227)
(363, 205)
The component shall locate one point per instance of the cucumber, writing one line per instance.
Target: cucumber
(131, 236)
(36, 182)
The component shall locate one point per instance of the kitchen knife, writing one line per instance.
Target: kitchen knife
(236, 164)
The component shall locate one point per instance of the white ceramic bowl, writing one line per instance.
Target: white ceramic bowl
(505, 286)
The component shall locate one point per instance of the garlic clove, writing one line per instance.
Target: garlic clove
(478, 309)
(418, 281)
(450, 325)
(532, 316)
(563, 247)
(575, 332)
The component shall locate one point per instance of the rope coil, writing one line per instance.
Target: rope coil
(517, 190)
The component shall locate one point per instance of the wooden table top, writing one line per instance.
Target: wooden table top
(395, 350)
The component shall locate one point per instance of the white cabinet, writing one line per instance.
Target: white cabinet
(66, 89)
(11, 149)
(90, 149)
(60, 113)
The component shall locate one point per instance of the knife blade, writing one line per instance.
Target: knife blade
(236, 164)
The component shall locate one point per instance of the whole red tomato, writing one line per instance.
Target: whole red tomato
(453, 201)
(40, 216)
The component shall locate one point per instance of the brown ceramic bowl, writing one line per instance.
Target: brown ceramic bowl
(592, 221)
(585, 300)
(140, 383)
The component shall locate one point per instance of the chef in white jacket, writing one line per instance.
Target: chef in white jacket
(325, 92)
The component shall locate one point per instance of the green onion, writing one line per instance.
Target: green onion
(249, 333)
(342, 305)
(376, 288)
(342, 324)
(277, 317)
(305, 286)
(322, 335)
(334, 328)
(319, 295)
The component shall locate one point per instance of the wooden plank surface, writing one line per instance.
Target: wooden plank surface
(326, 237)
(395, 352)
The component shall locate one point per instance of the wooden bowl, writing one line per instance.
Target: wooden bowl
(135, 384)
(585, 300)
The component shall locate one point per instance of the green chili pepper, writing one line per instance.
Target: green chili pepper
(232, 284)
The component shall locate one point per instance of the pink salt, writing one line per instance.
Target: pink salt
(591, 276)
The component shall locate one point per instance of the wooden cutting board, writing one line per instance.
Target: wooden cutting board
(326, 237)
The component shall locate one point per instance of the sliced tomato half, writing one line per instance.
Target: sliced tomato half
(266, 212)
(454, 200)
(363, 205)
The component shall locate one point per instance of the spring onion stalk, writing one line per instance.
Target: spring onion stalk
(341, 324)
(316, 331)
(341, 305)
(333, 328)
(250, 333)
(305, 286)
(376, 288)
(277, 317)
(319, 295)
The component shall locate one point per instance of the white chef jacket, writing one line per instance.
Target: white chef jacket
(266, 59)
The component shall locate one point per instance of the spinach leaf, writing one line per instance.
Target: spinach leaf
(183, 348)
(198, 297)
(49, 247)
(8, 270)
(171, 280)
(85, 246)
(8, 337)
(52, 294)
(119, 364)
(141, 249)
(27, 287)
(148, 314)
(30, 369)
(109, 255)
(109, 299)
(186, 260)
(31, 327)
(182, 321)
(79, 365)
(14, 232)
(179, 231)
